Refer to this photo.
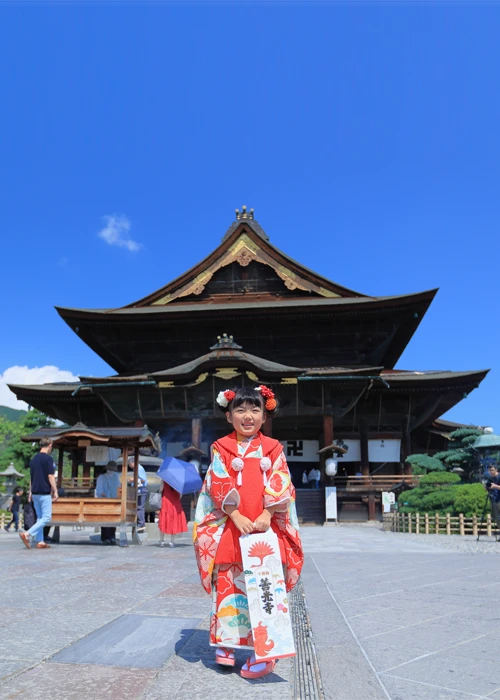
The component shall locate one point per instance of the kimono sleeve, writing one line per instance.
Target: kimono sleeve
(221, 485)
(278, 491)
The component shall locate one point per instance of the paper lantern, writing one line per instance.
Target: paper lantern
(331, 467)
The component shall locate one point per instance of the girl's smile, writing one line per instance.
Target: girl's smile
(246, 419)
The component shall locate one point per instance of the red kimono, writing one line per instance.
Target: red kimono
(264, 481)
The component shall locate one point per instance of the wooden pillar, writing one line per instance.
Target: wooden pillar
(136, 469)
(60, 463)
(407, 470)
(363, 437)
(327, 440)
(196, 432)
(123, 509)
(86, 470)
(74, 465)
(267, 428)
(371, 507)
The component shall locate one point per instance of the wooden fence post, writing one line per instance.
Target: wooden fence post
(437, 524)
(426, 519)
(461, 523)
(409, 522)
(417, 523)
(448, 524)
(474, 525)
(488, 525)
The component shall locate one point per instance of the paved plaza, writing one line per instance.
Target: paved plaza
(393, 616)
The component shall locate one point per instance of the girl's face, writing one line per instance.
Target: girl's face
(246, 419)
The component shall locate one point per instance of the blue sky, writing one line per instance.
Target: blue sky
(365, 135)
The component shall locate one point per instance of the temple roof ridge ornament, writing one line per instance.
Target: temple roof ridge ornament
(244, 214)
(225, 342)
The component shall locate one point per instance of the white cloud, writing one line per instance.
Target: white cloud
(115, 232)
(29, 375)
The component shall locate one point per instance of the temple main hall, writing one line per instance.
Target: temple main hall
(249, 314)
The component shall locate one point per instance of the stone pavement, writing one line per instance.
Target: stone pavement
(392, 617)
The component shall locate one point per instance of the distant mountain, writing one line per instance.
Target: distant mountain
(12, 414)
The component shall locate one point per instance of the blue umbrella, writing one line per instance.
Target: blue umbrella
(181, 476)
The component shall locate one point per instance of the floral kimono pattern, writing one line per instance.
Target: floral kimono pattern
(211, 523)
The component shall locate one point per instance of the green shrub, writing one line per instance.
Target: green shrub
(426, 501)
(421, 463)
(437, 479)
(470, 500)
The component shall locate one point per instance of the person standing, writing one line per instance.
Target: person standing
(14, 509)
(142, 493)
(172, 517)
(314, 476)
(107, 486)
(247, 489)
(43, 491)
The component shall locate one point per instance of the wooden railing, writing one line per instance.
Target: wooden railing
(5, 519)
(79, 483)
(436, 524)
(375, 482)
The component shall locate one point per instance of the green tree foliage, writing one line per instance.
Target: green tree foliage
(470, 499)
(442, 492)
(421, 464)
(459, 454)
(12, 449)
(435, 493)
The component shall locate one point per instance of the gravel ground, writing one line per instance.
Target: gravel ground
(467, 543)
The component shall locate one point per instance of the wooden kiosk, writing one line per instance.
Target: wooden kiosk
(79, 506)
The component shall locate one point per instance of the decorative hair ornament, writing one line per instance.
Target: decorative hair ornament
(268, 394)
(238, 464)
(265, 465)
(224, 398)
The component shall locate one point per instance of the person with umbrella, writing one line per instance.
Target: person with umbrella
(179, 478)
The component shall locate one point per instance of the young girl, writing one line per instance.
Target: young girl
(172, 518)
(247, 489)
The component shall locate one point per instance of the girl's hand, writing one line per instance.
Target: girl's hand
(244, 524)
(263, 522)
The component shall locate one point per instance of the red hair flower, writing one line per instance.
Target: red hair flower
(266, 392)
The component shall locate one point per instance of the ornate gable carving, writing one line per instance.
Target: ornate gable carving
(243, 251)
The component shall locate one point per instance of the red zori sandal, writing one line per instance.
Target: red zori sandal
(257, 669)
(224, 657)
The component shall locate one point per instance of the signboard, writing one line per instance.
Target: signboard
(268, 604)
(388, 498)
(353, 448)
(378, 450)
(301, 450)
(100, 456)
(331, 502)
(384, 450)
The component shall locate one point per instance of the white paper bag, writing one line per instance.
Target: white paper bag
(267, 597)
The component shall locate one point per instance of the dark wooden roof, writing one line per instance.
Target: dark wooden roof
(245, 241)
(108, 436)
(352, 331)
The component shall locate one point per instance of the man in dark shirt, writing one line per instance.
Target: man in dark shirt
(43, 492)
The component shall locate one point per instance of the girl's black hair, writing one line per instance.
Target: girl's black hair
(16, 490)
(247, 394)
